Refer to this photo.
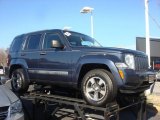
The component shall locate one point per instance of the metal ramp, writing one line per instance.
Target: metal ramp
(81, 110)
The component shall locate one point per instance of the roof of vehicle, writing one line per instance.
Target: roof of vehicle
(44, 31)
(40, 31)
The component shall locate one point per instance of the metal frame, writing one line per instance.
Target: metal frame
(110, 111)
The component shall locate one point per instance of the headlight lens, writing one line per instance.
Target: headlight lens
(15, 107)
(129, 60)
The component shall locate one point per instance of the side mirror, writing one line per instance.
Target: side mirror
(56, 44)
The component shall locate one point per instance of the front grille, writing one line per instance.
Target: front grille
(3, 112)
(141, 63)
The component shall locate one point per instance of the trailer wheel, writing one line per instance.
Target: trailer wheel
(98, 87)
(18, 81)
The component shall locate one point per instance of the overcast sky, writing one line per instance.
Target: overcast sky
(117, 23)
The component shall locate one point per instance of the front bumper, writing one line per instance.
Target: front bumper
(135, 82)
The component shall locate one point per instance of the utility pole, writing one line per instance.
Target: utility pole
(147, 31)
(92, 24)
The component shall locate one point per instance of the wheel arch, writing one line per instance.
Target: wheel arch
(14, 67)
(88, 67)
(17, 66)
(98, 64)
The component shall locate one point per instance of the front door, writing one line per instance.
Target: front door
(53, 62)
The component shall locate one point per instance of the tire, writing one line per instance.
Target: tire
(98, 87)
(19, 81)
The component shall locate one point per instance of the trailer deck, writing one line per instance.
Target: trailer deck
(80, 109)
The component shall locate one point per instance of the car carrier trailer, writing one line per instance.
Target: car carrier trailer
(81, 109)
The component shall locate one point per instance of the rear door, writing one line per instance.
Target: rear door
(54, 62)
(30, 54)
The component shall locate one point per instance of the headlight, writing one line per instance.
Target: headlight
(15, 107)
(129, 60)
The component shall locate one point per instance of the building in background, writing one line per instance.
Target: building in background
(154, 50)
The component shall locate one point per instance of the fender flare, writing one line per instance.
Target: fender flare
(101, 60)
(20, 63)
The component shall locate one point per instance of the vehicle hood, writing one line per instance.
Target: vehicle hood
(6, 96)
(111, 50)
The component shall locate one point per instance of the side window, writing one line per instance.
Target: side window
(33, 42)
(75, 40)
(48, 40)
(17, 44)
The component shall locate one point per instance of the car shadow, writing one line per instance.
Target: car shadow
(151, 110)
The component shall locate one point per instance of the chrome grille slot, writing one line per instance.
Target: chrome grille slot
(3, 112)
(141, 63)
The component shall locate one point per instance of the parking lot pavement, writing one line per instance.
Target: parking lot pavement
(156, 88)
(154, 102)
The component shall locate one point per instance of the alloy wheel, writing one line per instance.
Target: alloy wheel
(96, 88)
(17, 81)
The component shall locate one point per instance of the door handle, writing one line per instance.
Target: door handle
(43, 53)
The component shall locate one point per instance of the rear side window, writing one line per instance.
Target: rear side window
(33, 42)
(17, 44)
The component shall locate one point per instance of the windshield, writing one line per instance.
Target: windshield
(77, 39)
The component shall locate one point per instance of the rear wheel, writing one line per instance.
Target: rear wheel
(19, 82)
(98, 87)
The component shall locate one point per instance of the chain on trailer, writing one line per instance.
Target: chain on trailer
(81, 109)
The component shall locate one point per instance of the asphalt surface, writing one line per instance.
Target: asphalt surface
(38, 112)
(156, 88)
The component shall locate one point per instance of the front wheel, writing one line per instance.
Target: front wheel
(18, 81)
(98, 87)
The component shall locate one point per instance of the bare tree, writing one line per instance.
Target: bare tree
(3, 57)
